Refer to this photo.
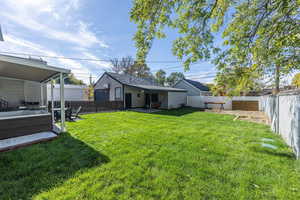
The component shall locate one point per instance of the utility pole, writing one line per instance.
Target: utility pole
(91, 79)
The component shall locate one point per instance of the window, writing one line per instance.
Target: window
(154, 97)
(117, 93)
(138, 95)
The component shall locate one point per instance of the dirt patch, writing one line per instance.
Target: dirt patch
(252, 116)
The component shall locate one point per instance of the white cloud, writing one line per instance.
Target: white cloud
(54, 24)
(47, 11)
(15, 44)
(101, 64)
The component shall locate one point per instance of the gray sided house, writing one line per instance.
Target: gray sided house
(193, 88)
(137, 92)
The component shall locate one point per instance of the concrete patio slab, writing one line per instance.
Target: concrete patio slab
(144, 110)
(13, 143)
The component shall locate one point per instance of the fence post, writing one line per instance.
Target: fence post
(277, 108)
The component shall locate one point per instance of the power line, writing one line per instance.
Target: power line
(81, 59)
(175, 67)
(200, 75)
(204, 77)
(99, 60)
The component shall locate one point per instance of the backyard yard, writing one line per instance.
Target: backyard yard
(178, 154)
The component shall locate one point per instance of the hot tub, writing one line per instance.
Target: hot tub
(24, 122)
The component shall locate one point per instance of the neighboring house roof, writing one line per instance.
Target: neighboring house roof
(197, 84)
(142, 83)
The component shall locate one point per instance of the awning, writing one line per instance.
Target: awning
(28, 69)
(157, 88)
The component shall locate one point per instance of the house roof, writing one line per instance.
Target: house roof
(28, 69)
(197, 84)
(129, 79)
(157, 88)
(141, 83)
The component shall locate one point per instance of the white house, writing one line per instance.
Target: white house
(137, 92)
(193, 88)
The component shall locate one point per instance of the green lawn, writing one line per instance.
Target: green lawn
(180, 154)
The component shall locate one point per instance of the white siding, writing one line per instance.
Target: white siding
(108, 81)
(33, 92)
(15, 91)
(191, 91)
(176, 99)
(72, 92)
(12, 91)
(135, 100)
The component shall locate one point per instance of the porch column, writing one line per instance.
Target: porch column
(150, 97)
(42, 95)
(52, 102)
(62, 102)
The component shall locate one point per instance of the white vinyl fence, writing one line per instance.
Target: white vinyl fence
(283, 112)
(198, 101)
(284, 115)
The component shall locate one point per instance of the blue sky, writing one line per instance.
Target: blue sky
(95, 29)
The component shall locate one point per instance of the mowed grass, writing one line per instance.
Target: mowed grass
(179, 154)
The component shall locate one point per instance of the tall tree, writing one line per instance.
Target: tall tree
(139, 69)
(296, 80)
(72, 80)
(235, 81)
(122, 65)
(174, 77)
(128, 65)
(259, 34)
(160, 77)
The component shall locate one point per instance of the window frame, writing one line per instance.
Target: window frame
(116, 96)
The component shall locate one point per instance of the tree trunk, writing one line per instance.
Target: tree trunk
(277, 79)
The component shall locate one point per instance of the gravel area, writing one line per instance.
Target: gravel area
(252, 116)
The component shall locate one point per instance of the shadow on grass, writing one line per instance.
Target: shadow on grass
(272, 152)
(27, 171)
(178, 112)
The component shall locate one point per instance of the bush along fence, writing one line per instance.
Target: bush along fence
(90, 106)
(283, 112)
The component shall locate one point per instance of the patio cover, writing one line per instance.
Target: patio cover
(28, 69)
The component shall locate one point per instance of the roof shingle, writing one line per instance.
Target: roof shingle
(142, 83)
(198, 85)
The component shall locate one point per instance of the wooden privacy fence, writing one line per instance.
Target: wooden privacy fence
(245, 105)
(90, 106)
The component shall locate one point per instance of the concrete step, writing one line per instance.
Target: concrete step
(17, 142)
